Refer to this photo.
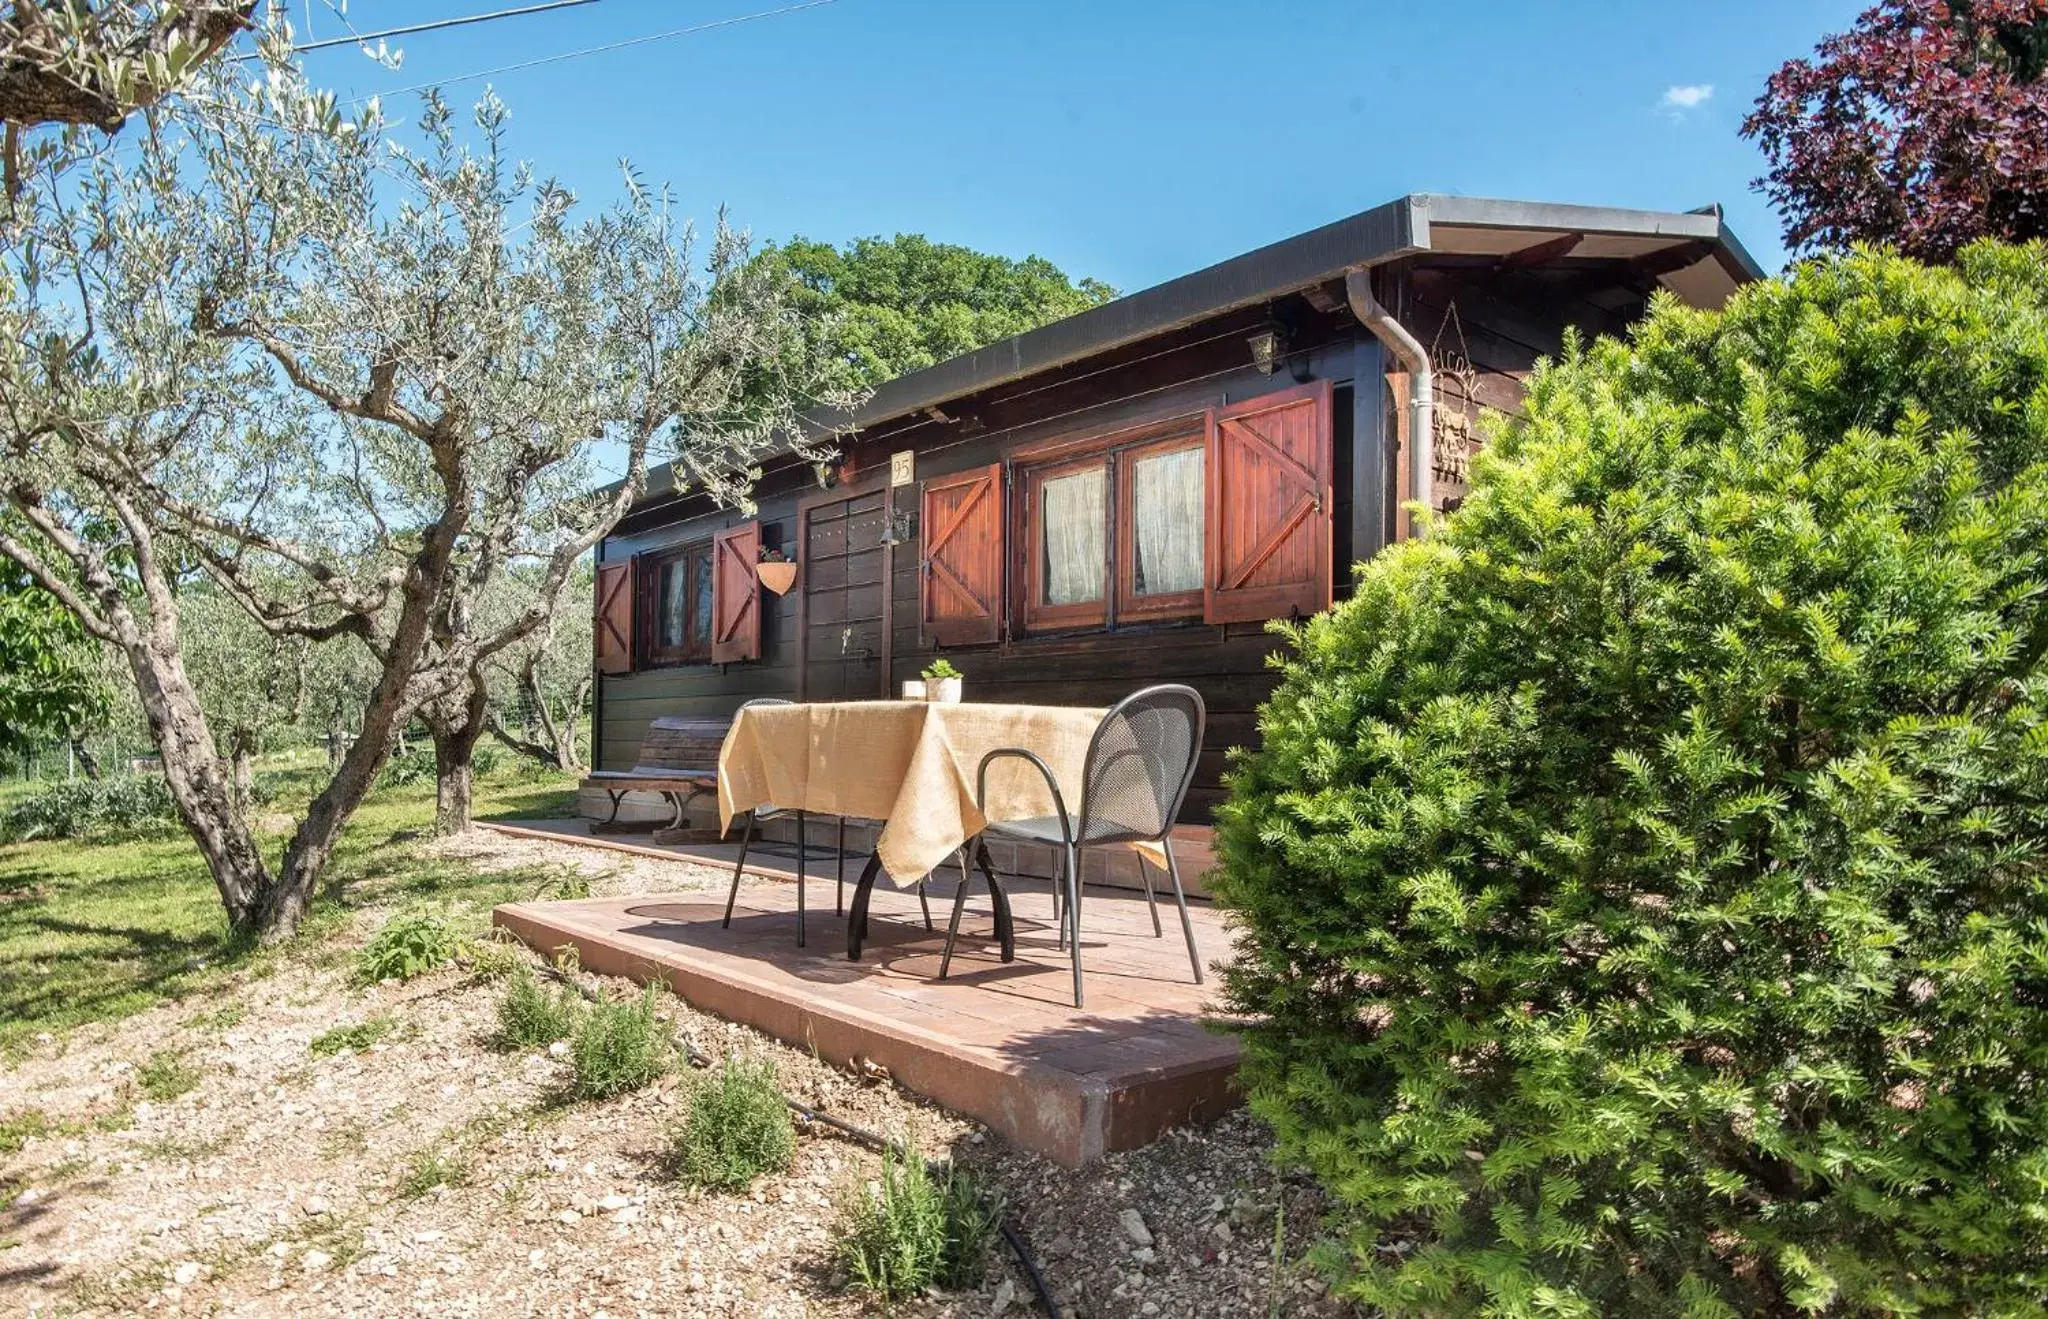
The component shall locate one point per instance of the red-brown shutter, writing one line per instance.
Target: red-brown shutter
(736, 594)
(613, 625)
(960, 577)
(1269, 507)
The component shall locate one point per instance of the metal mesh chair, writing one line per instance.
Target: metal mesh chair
(1139, 765)
(838, 849)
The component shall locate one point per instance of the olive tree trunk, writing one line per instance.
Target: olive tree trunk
(456, 730)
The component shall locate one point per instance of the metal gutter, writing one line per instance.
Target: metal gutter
(1421, 383)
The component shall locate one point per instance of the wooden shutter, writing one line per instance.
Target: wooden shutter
(1270, 506)
(960, 577)
(736, 594)
(613, 625)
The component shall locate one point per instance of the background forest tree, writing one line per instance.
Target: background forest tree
(49, 679)
(1923, 128)
(881, 307)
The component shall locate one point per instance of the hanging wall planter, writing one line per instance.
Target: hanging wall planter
(778, 575)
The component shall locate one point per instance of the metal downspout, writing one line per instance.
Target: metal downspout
(1421, 382)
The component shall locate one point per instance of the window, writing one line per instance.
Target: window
(678, 615)
(1223, 517)
(1120, 527)
(1068, 544)
(1163, 552)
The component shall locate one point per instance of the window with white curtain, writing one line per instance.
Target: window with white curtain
(677, 627)
(1166, 522)
(1116, 535)
(1073, 537)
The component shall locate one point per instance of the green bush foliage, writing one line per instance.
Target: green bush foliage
(120, 805)
(408, 768)
(415, 765)
(916, 1228)
(412, 943)
(533, 1015)
(619, 1047)
(737, 1128)
(1641, 876)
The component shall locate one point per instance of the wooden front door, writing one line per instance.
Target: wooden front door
(845, 589)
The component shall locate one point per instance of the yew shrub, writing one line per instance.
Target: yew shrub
(1642, 875)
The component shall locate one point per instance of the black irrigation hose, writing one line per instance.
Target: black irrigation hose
(862, 1136)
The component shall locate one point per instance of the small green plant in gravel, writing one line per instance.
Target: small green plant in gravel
(347, 1139)
(412, 943)
(533, 1014)
(178, 1148)
(567, 886)
(354, 1038)
(22, 1126)
(493, 957)
(918, 1228)
(166, 1076)
(432, 1168)
(225, 1017)
(737, 1128)
(619, 1047)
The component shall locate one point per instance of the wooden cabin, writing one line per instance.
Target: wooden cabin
(1126, 496)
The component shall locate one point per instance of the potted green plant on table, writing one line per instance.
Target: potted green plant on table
(942, 682)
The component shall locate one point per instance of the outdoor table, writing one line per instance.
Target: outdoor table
(911, 764)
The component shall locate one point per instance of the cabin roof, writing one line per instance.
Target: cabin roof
(1692, 253)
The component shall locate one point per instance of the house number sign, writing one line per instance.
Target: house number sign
(902, 467)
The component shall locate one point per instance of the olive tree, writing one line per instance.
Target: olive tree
(96, 63)
(352, 374)
(540, 688)
(256, 688)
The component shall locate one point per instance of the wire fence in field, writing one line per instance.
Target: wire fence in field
(108, 753)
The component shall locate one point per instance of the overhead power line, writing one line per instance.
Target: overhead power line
(609, 46)
(461, 20)
(363, 38)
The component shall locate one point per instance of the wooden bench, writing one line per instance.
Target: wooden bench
(678, 759)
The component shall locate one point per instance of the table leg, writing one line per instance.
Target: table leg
(1006, 929)
(857, 915)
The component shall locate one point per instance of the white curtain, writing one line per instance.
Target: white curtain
(1076, 523)
(675, 607)
(1167, 522)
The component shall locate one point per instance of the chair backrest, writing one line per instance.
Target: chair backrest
(1140, 763)
(675, 742)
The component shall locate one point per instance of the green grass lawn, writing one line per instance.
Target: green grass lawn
(91, 931)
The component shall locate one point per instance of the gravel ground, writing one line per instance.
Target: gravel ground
(284, 1182)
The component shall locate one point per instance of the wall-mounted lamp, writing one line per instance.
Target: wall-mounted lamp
(1267, 346)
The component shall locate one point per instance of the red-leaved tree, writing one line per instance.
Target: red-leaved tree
(1923, 127)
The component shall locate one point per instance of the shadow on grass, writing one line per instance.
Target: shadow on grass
(94, 931)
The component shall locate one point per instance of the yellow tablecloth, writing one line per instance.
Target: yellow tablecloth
(908, 763)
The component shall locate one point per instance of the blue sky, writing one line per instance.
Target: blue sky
(1131, 140)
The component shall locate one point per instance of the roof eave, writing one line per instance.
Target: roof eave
(1397, 229)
